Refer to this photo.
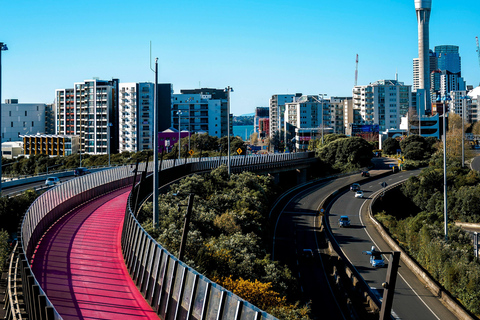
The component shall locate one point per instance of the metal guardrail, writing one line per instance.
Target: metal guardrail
(142, 253)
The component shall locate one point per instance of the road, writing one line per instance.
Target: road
(33, 185)
(296, 230)
(412, 300)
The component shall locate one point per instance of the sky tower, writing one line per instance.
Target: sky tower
(423, 8)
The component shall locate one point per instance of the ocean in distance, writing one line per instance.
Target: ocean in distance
(242, 131)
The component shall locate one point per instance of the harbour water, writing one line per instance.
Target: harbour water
(243, 131)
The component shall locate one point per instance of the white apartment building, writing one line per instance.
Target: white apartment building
(383, 102)
(136, 116)
(277, 109)
(201, 111)
(89, 110)
(21, 118)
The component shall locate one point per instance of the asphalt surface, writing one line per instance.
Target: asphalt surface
(296, 229)
(411, 300)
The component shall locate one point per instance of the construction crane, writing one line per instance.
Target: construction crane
(356, 66)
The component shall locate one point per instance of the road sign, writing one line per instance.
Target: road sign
(322, 211)
(384, 184)
(239, 151)
(191, 152)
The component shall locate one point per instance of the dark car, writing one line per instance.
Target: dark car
(81, 171)
(365, 174)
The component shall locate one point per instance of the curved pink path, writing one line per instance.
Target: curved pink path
(80, 266)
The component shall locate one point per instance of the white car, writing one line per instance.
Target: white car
(359, 194)
(51, 181)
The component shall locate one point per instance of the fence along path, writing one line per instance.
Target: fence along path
(80, 266)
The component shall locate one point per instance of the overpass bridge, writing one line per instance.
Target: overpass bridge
(172, 289)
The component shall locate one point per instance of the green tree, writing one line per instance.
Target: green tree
(346, 154)
(390, 146)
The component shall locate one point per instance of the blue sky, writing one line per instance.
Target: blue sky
(259, 48)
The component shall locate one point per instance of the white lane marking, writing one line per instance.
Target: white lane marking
(376, 245)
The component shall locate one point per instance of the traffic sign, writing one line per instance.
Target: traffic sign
(239, 151)
(191, 152)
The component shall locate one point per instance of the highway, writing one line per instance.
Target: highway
(412, 300)
(296, 229)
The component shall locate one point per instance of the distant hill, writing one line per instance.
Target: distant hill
(247, 115)
(243, 120)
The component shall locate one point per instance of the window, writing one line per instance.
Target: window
(25, 113)
(11, 124)
(32, 123)
(9, 113)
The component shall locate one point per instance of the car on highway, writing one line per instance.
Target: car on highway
(365, 174)
(80, 171)
(376, 259)
(307, 255)
(355, 187)
(344, 221)
(359, 194)
(51, 181)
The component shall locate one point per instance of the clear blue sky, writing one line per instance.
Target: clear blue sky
(259, 48)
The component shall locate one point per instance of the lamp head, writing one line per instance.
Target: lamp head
(4, 47)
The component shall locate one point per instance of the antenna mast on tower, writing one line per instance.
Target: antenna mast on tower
(356, 67)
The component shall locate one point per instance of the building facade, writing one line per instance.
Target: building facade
(276, 110)
(21, 118)
(90, 110)
(201, 111)
(51, 145)
(260, 114)
(383, 102)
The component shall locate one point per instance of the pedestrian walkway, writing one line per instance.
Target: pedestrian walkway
(80, 266)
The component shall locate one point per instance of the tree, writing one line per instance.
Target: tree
(390, 146)
(347, 154)
(277, 141)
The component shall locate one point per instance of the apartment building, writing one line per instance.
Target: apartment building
(90, 110)
(21, 118)
(277, 109)
(201, 111)
(50, 144)
(383, 102)
(260, 113)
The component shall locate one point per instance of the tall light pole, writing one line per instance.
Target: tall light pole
(322, 101)
(446, 99)
(464, 102)
(108, 141)
(3, 47)
(156, 192)
(179, 113)
(228, 90)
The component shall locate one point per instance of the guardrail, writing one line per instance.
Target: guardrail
(346, 267)
(56, 202)
(433, 286)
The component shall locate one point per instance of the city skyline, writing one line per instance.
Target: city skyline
(259, 49)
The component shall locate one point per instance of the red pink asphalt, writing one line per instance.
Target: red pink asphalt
(80, 266)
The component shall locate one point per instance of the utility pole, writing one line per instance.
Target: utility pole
(3, 47)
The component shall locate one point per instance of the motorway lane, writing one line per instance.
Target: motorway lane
(296, 229)
(418, 303)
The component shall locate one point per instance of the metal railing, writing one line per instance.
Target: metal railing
(172, 279)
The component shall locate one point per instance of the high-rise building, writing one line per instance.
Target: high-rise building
(88, 110)
(201, 111)
(277, 109)
(422, 9)
(21, 118)
(260, 113)
(383, 102)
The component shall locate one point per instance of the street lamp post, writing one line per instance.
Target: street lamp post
(464, 102)
(323, 125)
(3, 47)
(108, 141)
(228, 90)
(179, 113)
(446, 99)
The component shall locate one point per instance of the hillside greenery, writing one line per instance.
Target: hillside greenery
(228, 238)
